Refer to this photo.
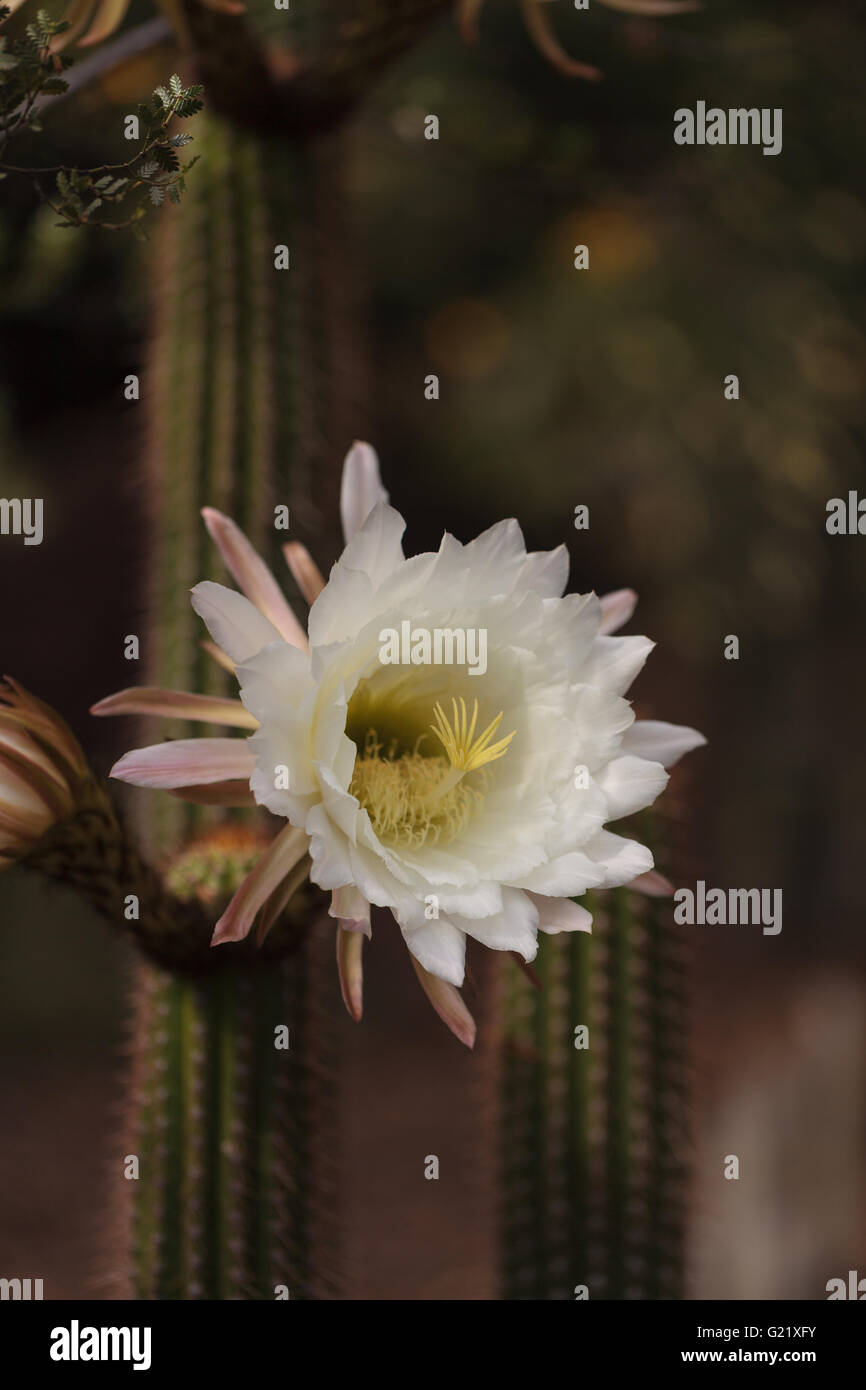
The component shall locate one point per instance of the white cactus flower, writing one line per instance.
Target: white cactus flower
(469, 800)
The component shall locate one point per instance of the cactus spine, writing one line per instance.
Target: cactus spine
(233, 1198)
(224, 381)
(250, 404)
(228, 1130)
(592, 1138)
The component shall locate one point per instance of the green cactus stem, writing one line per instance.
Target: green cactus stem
(234, 1194)
(249, 391)
(592, 1143)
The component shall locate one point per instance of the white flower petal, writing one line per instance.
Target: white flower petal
(376, 548)
(601, 719)
(619, 859)
(361, 488)
(616, 609)
(448, 1004)
(567, 876)
(304, 570)
(440, 948)
(342, 607)
(660, 742)
(482, 899)
(545, 572)
(615, 661)
(630, 784)
(560, 914)
(332, 866)
(282, 895)
(278, 860)
(351, 909)
(350, 967)
(275, 677)
(513, 929)
(653, 884)
(175, 704)
(235, 624)
(186, 762)
(494, 559)
(252, 575)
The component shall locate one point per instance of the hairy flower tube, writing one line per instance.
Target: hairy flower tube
(468, 802)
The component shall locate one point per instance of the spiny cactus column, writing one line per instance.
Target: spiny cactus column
(250, 404)
(242, 413)
(230, 1130)
(592, 1128)
(224, 1175)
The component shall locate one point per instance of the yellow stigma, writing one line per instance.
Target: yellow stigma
(457, 738)
(413, 799)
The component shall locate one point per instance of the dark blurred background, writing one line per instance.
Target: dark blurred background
(558, 387)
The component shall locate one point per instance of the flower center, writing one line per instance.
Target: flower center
(414, 799)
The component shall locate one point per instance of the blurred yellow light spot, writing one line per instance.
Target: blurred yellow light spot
(467, 338)
(804, 466)
(617, 236)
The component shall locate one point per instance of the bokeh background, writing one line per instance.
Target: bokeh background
(558, 388)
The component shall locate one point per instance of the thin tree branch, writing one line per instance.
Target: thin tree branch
(110, 56)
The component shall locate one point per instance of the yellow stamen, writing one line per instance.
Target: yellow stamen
(457, 739)
(413, 799)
